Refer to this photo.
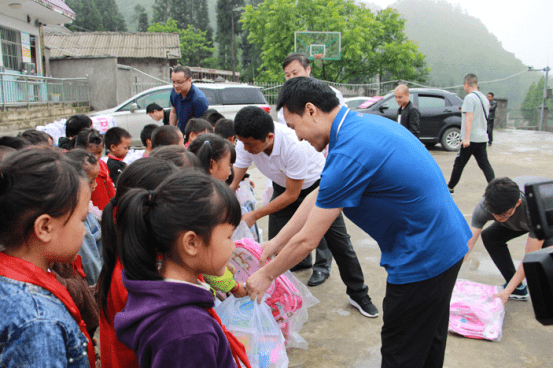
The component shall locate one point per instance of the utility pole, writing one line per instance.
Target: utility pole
(545, 70)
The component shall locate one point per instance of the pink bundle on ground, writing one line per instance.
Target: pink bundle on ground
(474, 313)
(283, 297)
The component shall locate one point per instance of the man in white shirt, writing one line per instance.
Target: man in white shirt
(295, 168)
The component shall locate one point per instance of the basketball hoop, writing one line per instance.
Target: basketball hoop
(318, 59)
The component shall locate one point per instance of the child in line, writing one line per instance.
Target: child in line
(167, 135)
(91, 141)
(91, 250)
(216, 156)
(195, 239)
(178, 155)
(194, 128)
(146, 138)
(37, 137)
(118, 142)
(44, 202)
(214, 153)
(145, 173)
(73, 126)
(224, 128)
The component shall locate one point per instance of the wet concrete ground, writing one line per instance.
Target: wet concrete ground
(339, 336)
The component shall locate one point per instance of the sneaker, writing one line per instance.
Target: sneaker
(519, 293)
(451, 190)
(365, 306)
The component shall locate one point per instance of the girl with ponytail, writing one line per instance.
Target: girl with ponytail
(169, 318)
(145, 173)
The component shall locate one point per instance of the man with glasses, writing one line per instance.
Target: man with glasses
(504, 202)
(186, 100)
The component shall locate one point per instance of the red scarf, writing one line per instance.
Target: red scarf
(237, 348)
(114, 158)
(17, 269)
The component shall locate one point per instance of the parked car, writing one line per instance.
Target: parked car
(226, 98)
(441, 116)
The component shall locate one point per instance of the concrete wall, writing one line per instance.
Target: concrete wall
(101, 73)
(158, 68)
(124, 85)
(501, 115)
(16, 119)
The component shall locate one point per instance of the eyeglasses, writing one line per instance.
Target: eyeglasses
(506, 214)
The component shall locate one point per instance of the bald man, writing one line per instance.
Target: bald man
(408, 114)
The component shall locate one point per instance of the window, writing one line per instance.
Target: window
(242, 96)
(11, 48)
(431, 102)
(210, 95)
(159, 97)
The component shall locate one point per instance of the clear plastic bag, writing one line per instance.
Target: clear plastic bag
(254, 326)
(474, 313)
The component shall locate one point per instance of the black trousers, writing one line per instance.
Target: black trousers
(335, 242)
(479, 151)
(495, 238)
(415, 321)
(490, 127)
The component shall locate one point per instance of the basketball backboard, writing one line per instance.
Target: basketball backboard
(326, 45)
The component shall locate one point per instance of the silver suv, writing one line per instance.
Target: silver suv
(226, 98)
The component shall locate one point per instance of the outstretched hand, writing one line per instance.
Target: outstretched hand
(257, 284)
(268, 249)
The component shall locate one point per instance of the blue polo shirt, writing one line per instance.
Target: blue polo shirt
(193, 105)
(392, 188)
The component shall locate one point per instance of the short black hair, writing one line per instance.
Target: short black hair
(179, 155)
(301, 58)
(214, 117)
(146, 132)
(14, 142)
(114, 136)
(36, 136)
(253, 122)
(165, 135)
(153, 107)
(297, 92)
(5, 151)
(501, 195)
(197, 125)
(182, 69)
(224, 128)
(76, 123)
(490, 93)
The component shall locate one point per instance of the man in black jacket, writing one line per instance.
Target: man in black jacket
(408, 114)
(492, 114)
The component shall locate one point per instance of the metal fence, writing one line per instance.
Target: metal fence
(21, 90)
(271, 90)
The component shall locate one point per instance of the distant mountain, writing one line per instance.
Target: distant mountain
(456, 44)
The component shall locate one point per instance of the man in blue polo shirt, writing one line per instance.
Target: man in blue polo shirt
(388, 184)
(186, 100)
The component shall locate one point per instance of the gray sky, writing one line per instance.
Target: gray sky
(523, 27)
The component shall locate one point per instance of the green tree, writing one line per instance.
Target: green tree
(141, 18)
(533, 100)
(226, 11)
(87, 16)
(371, 44)
(194, 43)
(96, 15)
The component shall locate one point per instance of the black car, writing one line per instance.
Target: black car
(441, 116)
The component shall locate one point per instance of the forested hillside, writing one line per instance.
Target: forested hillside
(454, 43)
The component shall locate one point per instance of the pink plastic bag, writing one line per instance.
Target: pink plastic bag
(474, 313)
(283, 297)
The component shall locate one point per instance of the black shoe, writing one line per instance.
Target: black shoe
(451, 190)
(365, 306)
(300, 267)
(317, 278)
(519, 293)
